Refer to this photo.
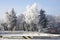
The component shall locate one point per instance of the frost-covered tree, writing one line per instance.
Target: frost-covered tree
(5, 23)
(20, 22)
(1, 26)
(51, 21)
(11, 19)
(31, 15)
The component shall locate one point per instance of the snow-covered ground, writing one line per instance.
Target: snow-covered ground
(26, 33)
(33, 35)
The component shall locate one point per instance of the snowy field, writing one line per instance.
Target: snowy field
(6, 35)
(26, 33)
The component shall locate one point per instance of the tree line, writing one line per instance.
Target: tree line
(32, 20)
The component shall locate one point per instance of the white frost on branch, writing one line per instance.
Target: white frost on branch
(31, 14)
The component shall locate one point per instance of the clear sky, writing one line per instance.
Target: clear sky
(50, 6)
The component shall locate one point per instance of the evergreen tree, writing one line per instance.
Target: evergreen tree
(43, 19)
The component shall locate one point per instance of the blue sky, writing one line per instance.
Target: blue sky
(51, 7)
